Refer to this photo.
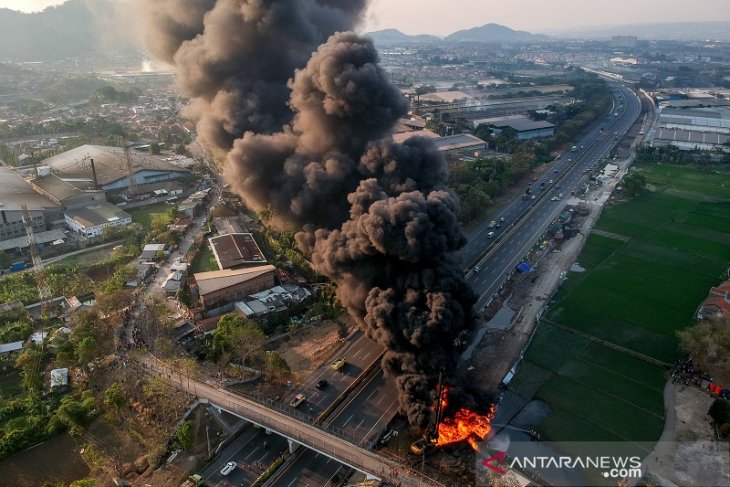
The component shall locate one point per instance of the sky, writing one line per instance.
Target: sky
(442, 17)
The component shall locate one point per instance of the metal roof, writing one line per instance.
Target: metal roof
(235, 249)
(209, 282)
(109, 162)
(16, 191)
(98, 214)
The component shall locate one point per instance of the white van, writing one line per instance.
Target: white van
(490, 235)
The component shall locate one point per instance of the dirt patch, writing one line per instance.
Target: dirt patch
(309, 348)
(691, 455)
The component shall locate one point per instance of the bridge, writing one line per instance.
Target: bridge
(297, 427)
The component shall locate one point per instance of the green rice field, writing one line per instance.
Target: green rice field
(642, 283)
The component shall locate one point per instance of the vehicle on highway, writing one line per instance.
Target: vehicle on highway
(491, 234)
(550, 182)
(554, 198)
(339, 363)
(298, 399)
(502, 219)
(229, 467)
(477, 269)
(321, 384)
(492, 224)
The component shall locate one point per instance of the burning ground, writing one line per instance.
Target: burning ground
(303, 111)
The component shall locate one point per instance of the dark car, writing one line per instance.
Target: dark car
(321, 384)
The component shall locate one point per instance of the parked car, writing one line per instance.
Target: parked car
(321, 384)
(229, 467)
(298, 399)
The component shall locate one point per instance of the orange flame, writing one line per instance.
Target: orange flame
(466, 425)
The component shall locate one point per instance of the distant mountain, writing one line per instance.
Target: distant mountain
(77, 28)
(680, 31)
(493, 33)
(394, 36)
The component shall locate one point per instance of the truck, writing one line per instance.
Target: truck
(193, 481)
(17, 266)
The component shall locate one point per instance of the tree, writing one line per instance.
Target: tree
(30, 361)
(709, 347)
(634, 184)
(85, 350)
(238, 336)
(155, 148)
(276, 365)
(185, 435)
(114, 396)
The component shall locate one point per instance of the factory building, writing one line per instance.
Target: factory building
(15, 192)
(105, 168)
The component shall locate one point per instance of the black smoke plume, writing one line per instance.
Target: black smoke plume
(306, 133)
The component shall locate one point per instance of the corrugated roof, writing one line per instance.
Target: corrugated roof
(109, 162)
(236, 249)
(97, 214)
(11, 347)
(209, 282)
(16, 191)
(461, 141)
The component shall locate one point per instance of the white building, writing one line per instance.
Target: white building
(90, 221)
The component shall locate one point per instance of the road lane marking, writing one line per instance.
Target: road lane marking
(333, 476)
(348, 420)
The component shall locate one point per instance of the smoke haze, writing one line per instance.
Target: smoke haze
(303, 111)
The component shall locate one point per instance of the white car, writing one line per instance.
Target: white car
(491, 234)
(230, 467)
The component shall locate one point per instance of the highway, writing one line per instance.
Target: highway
(527, 219)
(363, 420)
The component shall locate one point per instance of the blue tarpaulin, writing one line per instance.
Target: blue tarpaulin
(523, 267)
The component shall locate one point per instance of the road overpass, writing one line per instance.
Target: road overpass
(293, 425)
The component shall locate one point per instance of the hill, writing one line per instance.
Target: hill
(493, 33)
(77, 28)
(394, 36)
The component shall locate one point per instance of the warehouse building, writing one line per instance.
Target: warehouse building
(106, 167)
(236, 250)
(217, 288)
(15, 192)
(92, 220)
(462, 146)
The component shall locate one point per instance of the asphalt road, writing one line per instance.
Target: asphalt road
(363, 416)
(359, 352)
(527, 220)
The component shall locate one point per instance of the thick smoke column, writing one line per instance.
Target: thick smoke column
(234, 57)
(307, 134)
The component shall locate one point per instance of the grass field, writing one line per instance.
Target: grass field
(638, 293)
(641, 285)
(146, 215)
(204, 261)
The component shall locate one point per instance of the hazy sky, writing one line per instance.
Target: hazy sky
(442, 17)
